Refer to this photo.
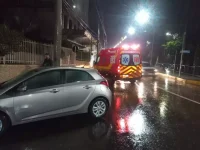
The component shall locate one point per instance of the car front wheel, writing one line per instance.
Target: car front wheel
(98, 107)
(4, 123)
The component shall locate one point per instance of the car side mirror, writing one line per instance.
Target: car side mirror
(22, 88)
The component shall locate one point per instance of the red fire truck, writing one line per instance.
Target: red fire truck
(120, 63)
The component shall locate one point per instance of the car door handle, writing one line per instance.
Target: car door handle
(54, 91)
(87, 87)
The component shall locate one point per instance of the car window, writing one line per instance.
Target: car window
(46, 79)
(14, 80)
(76, 76)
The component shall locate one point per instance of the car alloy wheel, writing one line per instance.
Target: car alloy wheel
(99, 108)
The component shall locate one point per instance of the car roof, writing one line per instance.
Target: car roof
(55, 68)
(145, 62)
(44, 69)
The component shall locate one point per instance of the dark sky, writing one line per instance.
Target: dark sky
(167, 15)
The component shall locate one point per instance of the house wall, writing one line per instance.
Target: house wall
(9, 71)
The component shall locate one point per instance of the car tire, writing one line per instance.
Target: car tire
(98, 107)
(4, 123)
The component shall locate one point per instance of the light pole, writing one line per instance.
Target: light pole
(174, 37)
(142, 18)
(58, 33)
(152, 45)
(183, 48)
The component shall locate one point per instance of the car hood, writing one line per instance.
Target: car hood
(148, 68)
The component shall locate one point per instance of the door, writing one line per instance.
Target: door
(39, 96)
(79, 87)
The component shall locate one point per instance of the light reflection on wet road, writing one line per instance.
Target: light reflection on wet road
(150, 114)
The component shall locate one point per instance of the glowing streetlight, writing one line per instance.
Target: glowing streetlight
(131, 31)
(142, 17)
(74, 6)
(168, 34)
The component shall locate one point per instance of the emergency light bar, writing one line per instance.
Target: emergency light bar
(134, 46)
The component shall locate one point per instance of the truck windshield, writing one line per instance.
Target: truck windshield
(130, 59)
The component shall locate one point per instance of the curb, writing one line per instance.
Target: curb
(193, 82)
(180, 80)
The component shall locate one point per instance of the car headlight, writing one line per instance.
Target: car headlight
(155, 70)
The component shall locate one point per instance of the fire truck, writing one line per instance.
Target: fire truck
(121, 63)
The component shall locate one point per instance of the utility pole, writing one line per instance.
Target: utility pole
(175, 62)
(194, 62)
(183, 48)
(58, 33)
(98, 41)
(152, 46)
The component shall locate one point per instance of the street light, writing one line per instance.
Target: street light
(74, 6)
(142, 17)
(168, 34)
(131, 31)
(174, 37)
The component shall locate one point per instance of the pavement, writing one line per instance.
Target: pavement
(186, 79)
(152, 114)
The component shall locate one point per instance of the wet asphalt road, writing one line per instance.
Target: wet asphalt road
(152, 114)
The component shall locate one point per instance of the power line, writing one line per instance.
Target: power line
(77, 17)
(83, 23)
(101, 21)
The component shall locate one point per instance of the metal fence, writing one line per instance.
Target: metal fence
(82, 56)
(32, 52)
(185, 69)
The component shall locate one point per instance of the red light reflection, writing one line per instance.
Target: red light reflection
(118, 102)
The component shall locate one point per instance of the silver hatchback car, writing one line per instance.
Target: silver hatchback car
(52, 92)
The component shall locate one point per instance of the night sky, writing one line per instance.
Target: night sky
(167, 15)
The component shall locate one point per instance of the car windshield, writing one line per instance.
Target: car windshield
(17, 78)
(146, 65)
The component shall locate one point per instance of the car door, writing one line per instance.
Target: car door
(40, 96)
(79, 86)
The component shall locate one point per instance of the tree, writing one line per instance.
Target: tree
(10, 40)
(172, 46)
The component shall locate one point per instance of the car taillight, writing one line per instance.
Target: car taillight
(105, 83)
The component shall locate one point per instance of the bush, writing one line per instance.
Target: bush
(10, 40)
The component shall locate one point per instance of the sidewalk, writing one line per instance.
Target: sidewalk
(185, 79)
